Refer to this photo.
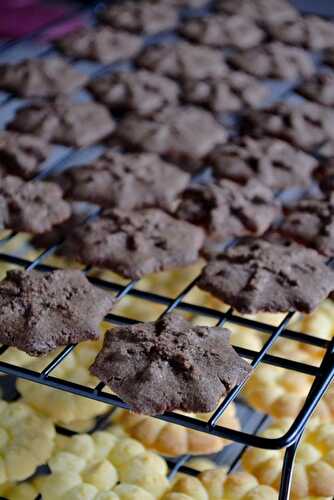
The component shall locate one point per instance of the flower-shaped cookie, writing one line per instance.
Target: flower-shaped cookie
(26, 441)
(170, 439)
(314, 468)
(103, 466)
(217, 485)
(63, 407)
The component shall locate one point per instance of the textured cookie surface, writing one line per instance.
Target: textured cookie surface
(22, 154)
(226, 209)
(310, 222)
(169, 364)
(126, 181)
(274, 60)
(101, 44)
(236, 91)
(183, 135)
(272, 162)
(33, 207)
(184, 61)
(174, 440)
(65, 122)
(305, 125)
(41, 77)
(143, 92)
(148, 17)
(223, 31)
(135, 243)
(261, 276)
(41, 311)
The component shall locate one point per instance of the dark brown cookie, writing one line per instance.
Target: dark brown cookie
(22, 154)
(259, 10)
(311, 223)
(311, 32)
(135, 243)
(273, 162)
(223, 31)
(274, 60)
(234, 92)
(170, 365)
(257, 275)
(77, 124)
(141, 91)
(227, 210)
(126, 181)
(41, 311)
(319, 88)
(140, 17)
(183, 60)
(101, 44)
(305, 125)
(41, 77)
(183, 135)
(33, 207)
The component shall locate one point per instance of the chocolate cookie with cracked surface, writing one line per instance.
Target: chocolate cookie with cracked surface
(22, 154)
(227, 210)
(305, 125)
(101, 44)
(223, 31)
(143, 92)
(274, 60)
(182, 135)
(183, 60)
(135, 243)
(41, 77)
(235, 92)
(272, 162)
(33, 207)
(311, 223)
(41, 311)
(170, 364)
(62, 121)
(257, 275)
(126, 181)
(319, 88)
(140, 17)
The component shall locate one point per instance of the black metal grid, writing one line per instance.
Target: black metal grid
(323, 374)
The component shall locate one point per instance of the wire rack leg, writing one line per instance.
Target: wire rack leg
(287, 469)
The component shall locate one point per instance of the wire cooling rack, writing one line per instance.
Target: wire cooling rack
(31, 46)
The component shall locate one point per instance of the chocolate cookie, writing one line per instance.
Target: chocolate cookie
(101, 44)
(77, 124)
(170, 365)
(257, 275)
(33, 207)
(135, 243)
(259, 10)
(227, 210)
(223, 31)
(311, 32)
(319, 88)
(22, 154)
(305, 125)
(41, 77)
(183, 60)
(140, 17)
(236, 91)
(41, 311)
(141, 91)
(274, 60)
(183, 135)
(274, 163)
(311, 222)
(126, 181)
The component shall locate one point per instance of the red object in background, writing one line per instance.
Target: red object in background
(21, 17)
